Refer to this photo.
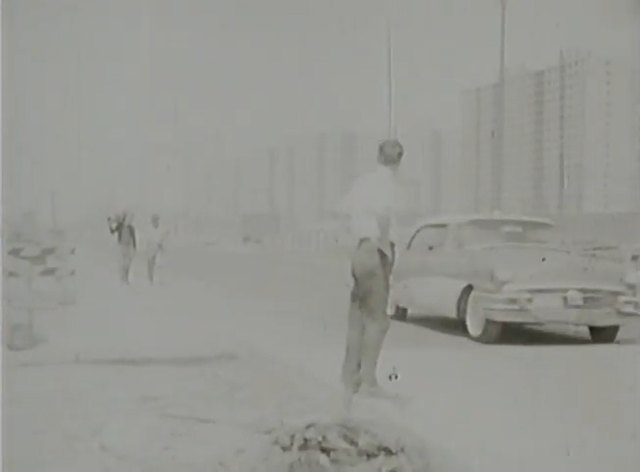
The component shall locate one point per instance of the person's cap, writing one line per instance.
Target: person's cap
(390, 152)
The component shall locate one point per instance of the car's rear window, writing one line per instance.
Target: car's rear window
(486, 233)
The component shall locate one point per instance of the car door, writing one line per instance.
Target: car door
(425, 271)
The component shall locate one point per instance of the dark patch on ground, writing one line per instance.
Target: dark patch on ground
(195, 419)
(188, 361)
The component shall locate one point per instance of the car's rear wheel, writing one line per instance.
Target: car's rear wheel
(603, 334)
(400, 313)
(477, 326)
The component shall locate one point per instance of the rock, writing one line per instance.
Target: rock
(20, 334)
(391, 464)
(369, 445)
(405, 465)
(311, 461)
(312, 433)
(348, 447)
(298, 440)
(284, 440)
(346, 457)
(20, 337)
(333, 440)
(373, 465)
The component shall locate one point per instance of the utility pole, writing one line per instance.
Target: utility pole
(498, 164)
(503, 22)
(478, 201)
(435, 159)
(392, 129)
(539, 205)
(562, 174)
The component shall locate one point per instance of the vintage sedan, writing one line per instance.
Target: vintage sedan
(491, 270)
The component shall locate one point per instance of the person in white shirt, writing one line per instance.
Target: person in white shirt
(155, 245)
(371, 205)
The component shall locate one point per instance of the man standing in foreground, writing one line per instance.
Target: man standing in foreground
(371, 205)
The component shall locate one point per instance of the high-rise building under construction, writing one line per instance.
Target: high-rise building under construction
(571, 139)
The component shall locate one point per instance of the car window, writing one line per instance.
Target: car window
(429, 238)
(498, 234)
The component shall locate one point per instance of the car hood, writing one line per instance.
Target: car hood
(548, 267)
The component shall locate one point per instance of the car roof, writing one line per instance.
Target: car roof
(447, 220)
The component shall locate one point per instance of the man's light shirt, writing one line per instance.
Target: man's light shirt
(372, 205)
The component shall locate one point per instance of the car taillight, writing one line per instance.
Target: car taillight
(574, 298)
(632, 281)
(627, 304)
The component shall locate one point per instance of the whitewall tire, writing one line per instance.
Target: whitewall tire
(477, 326)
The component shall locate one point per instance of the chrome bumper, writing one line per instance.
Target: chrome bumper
(501, 308)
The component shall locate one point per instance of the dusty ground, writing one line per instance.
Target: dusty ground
(187, 376)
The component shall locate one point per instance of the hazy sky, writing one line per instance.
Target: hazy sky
(97, 91)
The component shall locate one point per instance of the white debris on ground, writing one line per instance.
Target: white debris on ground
(349, 445)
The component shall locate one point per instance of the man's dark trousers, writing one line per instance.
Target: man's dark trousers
(368, 319)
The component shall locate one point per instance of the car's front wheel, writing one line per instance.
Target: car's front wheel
(477, 326)
(603, 334)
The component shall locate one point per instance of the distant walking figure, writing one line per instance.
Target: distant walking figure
(155, 245)
(122, 226)
(371, 205)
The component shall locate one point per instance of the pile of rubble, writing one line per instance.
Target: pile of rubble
(344, 447)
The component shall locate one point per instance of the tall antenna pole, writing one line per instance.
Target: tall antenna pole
(562, 174)
(498, 158)
(392, 131)
(503, 22)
